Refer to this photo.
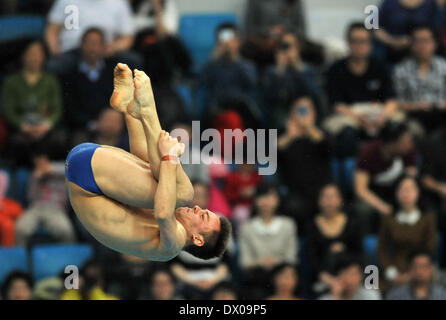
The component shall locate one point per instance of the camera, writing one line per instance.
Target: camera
(226, 35)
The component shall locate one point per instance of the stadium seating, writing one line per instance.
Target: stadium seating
(197, 33)
(51, 260)
(15, 27)
(12, 259)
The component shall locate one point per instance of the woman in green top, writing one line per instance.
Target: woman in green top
(32, 106)
(32, 101)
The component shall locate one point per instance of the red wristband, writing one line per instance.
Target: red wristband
(169, 157)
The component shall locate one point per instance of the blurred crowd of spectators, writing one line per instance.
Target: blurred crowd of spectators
(361, 148)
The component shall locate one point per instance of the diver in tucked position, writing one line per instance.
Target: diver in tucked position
(128, 201)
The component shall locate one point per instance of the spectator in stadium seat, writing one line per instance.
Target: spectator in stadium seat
(285, 281)
(10, 211)
(379, 166)
(360, 93)
(398, 17)
(348, 283)
(32, 107)
(18, 285)
(420, 81)
(266, 240)
(48, 202)
(227, 77)
(88, 84)
(199, 277)
(421, 285)
(164, 54)
(288, 79)
(107, 129)
(303, 160)
(410, 228)
(165, 59)
(68, 20)
(331, 235)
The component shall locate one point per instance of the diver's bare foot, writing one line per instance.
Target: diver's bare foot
(123, 88)
(143, 91)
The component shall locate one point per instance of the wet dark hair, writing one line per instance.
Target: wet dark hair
(332, 185)
(354, 26)
(13, 276)
(392, 131)
(215, 242)
(93, 30)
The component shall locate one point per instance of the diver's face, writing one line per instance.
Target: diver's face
(197, 220)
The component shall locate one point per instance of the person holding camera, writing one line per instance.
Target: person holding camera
(227, 76)
(303, 158)
(360, 94)
(420, 81)
(289, 77)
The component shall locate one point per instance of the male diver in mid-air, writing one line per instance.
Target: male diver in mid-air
(128, 201)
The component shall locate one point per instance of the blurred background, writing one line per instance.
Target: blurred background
(360, 113)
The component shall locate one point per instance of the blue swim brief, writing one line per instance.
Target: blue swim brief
(78, 167)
